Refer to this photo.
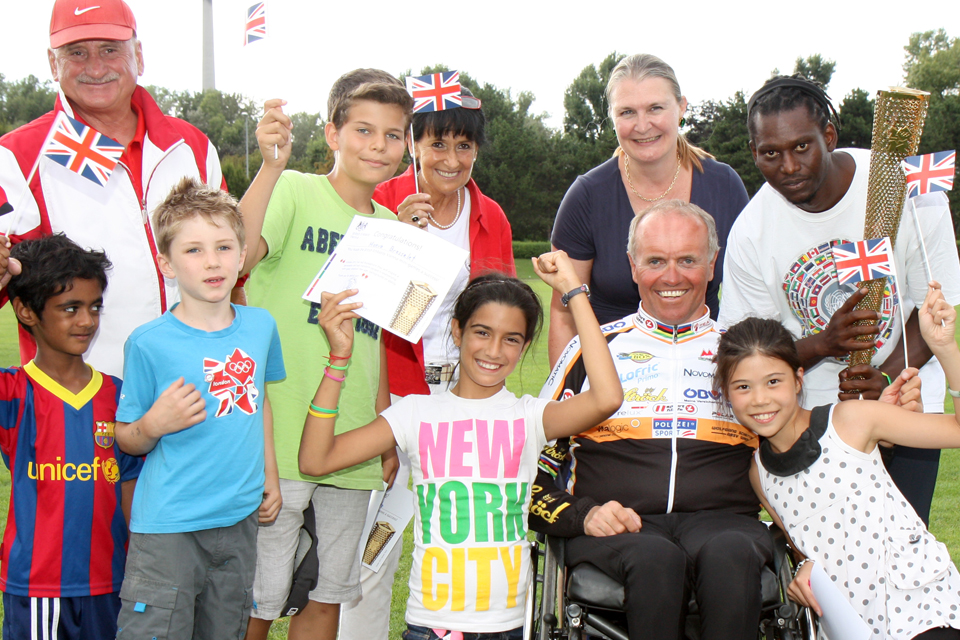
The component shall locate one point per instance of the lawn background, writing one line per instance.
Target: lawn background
(529, 376)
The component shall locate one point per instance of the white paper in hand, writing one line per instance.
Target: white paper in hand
(401, 272)
(840, 621)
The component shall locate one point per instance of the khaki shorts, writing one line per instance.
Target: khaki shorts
(340, 517)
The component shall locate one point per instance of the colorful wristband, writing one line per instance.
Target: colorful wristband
(327, 374)
(333, 366)
(321, 415)
(322, 410)
(333, 357)
(889, 380)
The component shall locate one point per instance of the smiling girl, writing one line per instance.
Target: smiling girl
(819, 475)
(473, 449)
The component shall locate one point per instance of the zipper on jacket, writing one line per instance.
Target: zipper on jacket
(671, 493)
(148, 230)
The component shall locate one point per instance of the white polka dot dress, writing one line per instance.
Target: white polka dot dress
(846, 514)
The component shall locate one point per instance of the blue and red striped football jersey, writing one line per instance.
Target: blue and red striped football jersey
(66, 535)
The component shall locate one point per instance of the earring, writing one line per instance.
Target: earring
(683, 121)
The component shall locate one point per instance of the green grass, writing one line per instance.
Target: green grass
(529, 376)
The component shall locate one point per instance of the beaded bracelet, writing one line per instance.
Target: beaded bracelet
(322, 410)
(333, 357)
(327, 374)
(333, 366)
(321, 415)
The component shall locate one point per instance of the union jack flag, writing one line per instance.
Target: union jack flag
(435, 92)
(930, 172)
(82, 149)
(863, 260)
(256, 28)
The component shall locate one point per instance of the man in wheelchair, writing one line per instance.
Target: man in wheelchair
(658, 496)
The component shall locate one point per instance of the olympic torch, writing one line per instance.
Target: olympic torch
(897, 124)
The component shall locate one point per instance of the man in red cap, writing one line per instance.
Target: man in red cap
(96, 57)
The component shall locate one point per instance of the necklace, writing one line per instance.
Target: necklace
(626, 168)
(457, 217)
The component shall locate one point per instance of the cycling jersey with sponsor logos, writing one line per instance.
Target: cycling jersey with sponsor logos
(671, 447)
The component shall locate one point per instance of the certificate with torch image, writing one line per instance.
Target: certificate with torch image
(401, 272)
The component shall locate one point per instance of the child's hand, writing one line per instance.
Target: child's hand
(336, 319)
(937, 319)
(904, 391)
(556, 269)
(800, 590)
(9, 267)
(179, 407)
(270, 507)
(414, 209)
(274, 134)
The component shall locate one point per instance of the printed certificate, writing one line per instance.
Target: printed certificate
(401, 272)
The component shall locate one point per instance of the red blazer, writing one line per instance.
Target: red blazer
(491, 249)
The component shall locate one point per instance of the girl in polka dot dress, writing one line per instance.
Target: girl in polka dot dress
(820, 476)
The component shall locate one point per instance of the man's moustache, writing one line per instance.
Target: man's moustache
(105, 79)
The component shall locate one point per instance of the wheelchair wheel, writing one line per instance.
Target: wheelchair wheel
(542, 617)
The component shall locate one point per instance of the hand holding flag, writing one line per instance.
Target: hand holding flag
(275, 130)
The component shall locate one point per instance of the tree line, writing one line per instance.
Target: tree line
(527, 166)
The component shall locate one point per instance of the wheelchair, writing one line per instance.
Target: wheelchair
(582, 602)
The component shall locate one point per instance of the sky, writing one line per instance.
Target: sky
(716, 48)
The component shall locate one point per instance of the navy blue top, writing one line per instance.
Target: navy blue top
(594, 220)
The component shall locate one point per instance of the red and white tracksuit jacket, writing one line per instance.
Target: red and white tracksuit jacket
(113, 218)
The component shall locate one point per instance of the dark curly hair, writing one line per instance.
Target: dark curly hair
(50, 265)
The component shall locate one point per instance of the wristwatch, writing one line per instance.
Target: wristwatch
(565, 298)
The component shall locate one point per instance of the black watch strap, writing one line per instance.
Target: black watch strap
(565, 298)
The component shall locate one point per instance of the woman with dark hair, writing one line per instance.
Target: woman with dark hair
(444, 200)
(653, 162)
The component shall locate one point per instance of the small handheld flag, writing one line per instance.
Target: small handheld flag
(435, 92)
(256, 25)
(929, 173)
(862, 260)
(77, 147)
(82, 149)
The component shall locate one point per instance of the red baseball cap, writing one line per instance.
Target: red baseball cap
(75, 20)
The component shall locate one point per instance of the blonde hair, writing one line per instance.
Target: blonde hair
(188, 200)
(638, 68)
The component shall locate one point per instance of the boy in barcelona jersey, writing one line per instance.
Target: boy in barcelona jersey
(65, 540)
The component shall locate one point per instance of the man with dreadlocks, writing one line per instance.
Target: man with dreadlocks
(779, 263)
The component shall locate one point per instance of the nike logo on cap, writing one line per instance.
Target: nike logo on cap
(79, 12)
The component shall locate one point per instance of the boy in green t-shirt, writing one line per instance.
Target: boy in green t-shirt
(293, 222)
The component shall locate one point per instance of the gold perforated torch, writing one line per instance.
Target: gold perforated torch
(897, 125)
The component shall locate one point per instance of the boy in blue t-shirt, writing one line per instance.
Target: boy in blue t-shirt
(64, 545)
(193, 403)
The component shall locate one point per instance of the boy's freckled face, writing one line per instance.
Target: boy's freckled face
(205, 258)
(70, 319)
(370, 142)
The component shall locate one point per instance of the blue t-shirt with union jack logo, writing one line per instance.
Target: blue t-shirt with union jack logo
(65, 535)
